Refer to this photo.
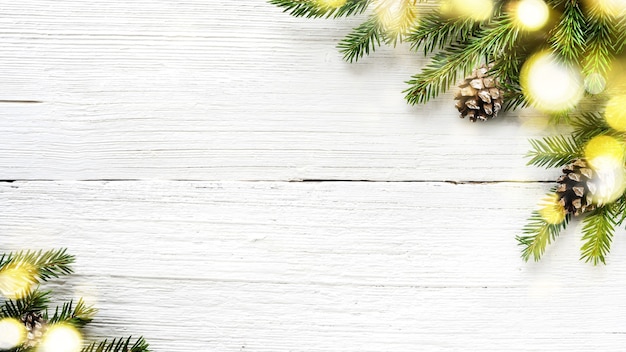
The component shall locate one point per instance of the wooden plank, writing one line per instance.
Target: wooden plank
(215, 90)
(331, 266)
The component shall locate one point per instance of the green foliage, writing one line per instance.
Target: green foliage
(118, 345)
(568, 36)
(600, 48)
(598, 230)
(434, 32)
(77, 315)
(361, 40)
(460, 59)
(588, 125)
(554, 151)
(41, 265)
(313, 9)
(538, 234)
(33, 301)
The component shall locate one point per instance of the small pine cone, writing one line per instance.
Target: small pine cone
(35, 328)
(576, 189)
(479, 96)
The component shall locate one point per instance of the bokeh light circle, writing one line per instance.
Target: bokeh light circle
(61, 338)
(12, 333)
(532, 14)
(549, 85)
(615, 113)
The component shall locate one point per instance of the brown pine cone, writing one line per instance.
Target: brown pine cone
(575, 190)
(479, 96)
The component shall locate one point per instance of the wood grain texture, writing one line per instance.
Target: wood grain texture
(331, 266)
(216, 90)
(188, 99)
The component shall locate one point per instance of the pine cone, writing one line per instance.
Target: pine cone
(575, 189)
(35, 327)
(479, 97)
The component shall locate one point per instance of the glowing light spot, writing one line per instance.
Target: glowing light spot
(605, 146)
(532, 14)
(610, 7)
(61, 338)
(396, 16)
(595, 83)
(551, 211)
(606, 157)
(478, 10)
(615, 113)
(333, 4)
(16, 281)
(12, 333)
(549, 85)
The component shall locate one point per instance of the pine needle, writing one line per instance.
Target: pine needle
(434, 32)
(568, 37)
(118, 345)
(33, 301)
(314, 9)
(598, 230)
(77, 315)
(361, 40)
(41, 265)
(538, 234)
(460, 59)
(553, 151)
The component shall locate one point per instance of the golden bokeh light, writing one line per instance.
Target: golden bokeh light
(615, 8)
(531, 14)
(551, 211)
(396, 17)
(61, 338)
(16, 281)
(478, 10)
(615, 113)
(606, 147)
(605, 156)
(549, 85)
(333, 4)
(12, 333)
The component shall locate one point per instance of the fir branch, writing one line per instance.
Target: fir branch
(568, 37)
(598, 230)
(314, 9)
(434, 32)
(538, 234)
(361, 40)
(33, 301)
(600, 47)
(40, 265)
(554, 151)
(77, 315)
(118, 345)
(461, 58)
(588, 125)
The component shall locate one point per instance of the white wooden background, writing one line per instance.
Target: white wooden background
(229, 184)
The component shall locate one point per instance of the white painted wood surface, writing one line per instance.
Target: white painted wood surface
(199, 112)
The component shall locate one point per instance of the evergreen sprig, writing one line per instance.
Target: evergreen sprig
(77, 315)
(315, 9)
(554, 151)
(568, 36)
(598, 230)
(361, 40)
(118, 345)
(33, 301)
(538, 234)
(434, 32)
(41, 265)
(460, 59)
